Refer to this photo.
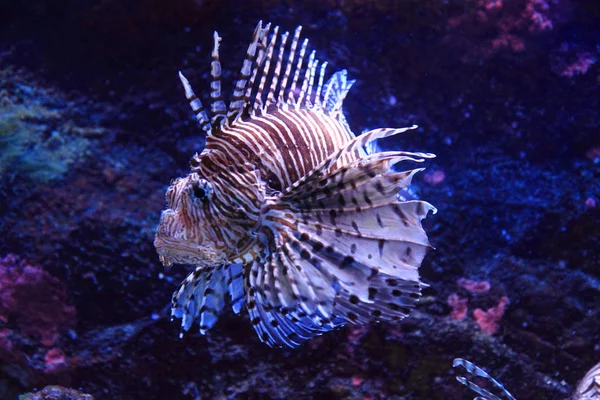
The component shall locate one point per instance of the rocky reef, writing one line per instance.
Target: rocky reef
(94, 125)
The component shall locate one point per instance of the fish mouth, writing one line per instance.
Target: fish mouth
(175, 251)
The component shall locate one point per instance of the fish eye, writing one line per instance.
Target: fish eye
(199, 192)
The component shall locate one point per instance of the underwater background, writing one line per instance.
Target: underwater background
(94, 124)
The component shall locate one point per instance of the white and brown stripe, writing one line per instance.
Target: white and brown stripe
(295, 199)
(589, 387)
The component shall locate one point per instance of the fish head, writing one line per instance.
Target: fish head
(187, 233)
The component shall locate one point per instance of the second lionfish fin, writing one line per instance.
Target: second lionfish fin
(200, 296)
(475, 371)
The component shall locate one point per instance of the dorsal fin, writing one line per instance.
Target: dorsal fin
(275, 78)
(336, 89)
(257, 104)
(261, 58)
(237, 100)
(304, 88)
(311, 81)
(291, 94)
(217, 106)
(288, 67)
(196, 105)
(250, 94)
(320, 85)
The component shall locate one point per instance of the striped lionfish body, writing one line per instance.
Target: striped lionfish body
(285, 211)
(589, 387)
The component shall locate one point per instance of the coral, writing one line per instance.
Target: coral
(54, 357)
(38, 136)
(571, 60)
(458, 305)
(55, 392)
(34, 300)
(434, 178)
(593, 154)
(475, 287)
(506, 23)
(590, 202)
(489, 321)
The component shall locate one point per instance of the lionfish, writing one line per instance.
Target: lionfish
(285, 210)
(587, 389)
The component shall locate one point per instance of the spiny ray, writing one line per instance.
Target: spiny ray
(288, 68)
(291, 94)
(196, 105)
(260, 60)
(275, 80)
(320, 85)
(217, 105)
(258, 100)
(303, 90)
(236, 105)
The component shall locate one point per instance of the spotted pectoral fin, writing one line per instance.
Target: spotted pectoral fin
(200, 296)
(345, 236)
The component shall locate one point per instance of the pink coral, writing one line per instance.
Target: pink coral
(357, 381)
(572, 59)
(435, 178)
(34, 300)
(458, 305)
(536, 13)
(593, 154)
(505, 22)
(489, 321)
(54, 356)
(475, 287)
(580, 66)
